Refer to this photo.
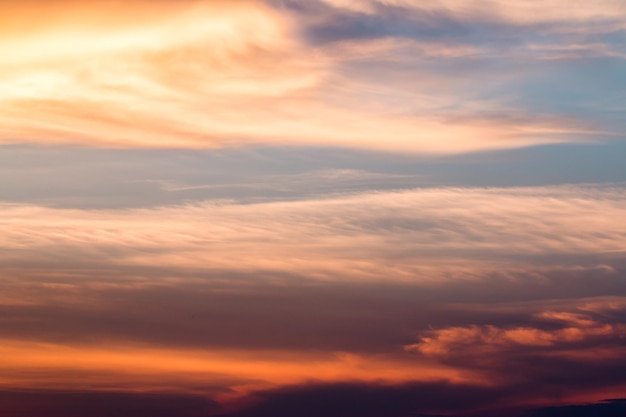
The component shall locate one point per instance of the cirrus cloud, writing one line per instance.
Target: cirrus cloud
(195, 74)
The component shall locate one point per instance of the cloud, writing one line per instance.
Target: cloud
(193, 74)
(91, 178)
(329, 400)
(365, 235)
(255, 297)
(529, 12)
(609, 408)
(576, 329)
(102, 404)
(169, 276)
(304, 283)
(224, 374)
(367, 400)
(571, 354)
(384, 266)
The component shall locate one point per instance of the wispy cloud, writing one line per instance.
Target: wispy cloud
(194, 74)
(118, 285)
(529, 12)
(363, 234)
(251, 242)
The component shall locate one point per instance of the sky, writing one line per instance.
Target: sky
(313, 208)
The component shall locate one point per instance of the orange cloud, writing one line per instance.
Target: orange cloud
(212, 73)
(136, 368)
(94, 299)
(492, 338)
(570, 349)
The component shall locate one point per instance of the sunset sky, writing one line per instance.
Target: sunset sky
(312, 208)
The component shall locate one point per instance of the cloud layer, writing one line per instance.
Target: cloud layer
(516, 293)
(362, 234)
(398, 76)
(320, 208)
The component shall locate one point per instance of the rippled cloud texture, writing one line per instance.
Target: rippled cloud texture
(324, 208)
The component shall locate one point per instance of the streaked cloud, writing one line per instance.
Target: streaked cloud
(194, 74)
(231, 293)
(361, 235)
(320, 208)
(70, 177)
(533, 11)
(232, 373)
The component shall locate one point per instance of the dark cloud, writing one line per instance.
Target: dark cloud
(609, 408)
(102, 404)
(389, 22)
(332, 400)
(246, 314)
(370, 400)
(331, 24)
(554, 355)
(411, 400)
(270, 310)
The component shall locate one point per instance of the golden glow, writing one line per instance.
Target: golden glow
(219, 73)
(261, 299)
(135, 368)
